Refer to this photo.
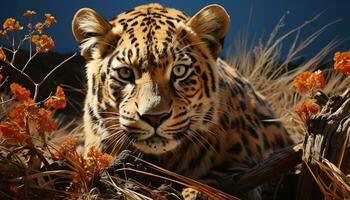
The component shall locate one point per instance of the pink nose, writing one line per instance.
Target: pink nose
(156, 119)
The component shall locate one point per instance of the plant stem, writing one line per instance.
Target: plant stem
(24, 74)
(28, 61)
(37, 85)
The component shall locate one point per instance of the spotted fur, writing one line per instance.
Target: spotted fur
(157, 87)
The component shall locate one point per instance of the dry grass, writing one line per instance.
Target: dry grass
(270, 72)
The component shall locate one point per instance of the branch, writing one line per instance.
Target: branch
(37, 86)
(269, 169)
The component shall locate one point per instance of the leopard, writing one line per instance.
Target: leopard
(157, 86)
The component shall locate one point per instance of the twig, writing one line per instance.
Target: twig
(28, 61)
(37, 86)
(22, 73)
(7, 101)
(4, 82)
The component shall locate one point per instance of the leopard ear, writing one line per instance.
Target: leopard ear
(88, 28)
(211, 24)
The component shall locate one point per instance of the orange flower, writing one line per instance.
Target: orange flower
(11, 24)
(29, 13)
(21, 93)
(67, 149)
(11, 132)
(342, 62)
(319, 80)
(43, 43)
(57, 101)
(39, 27)
(18, 114)
(3, 33)
(302, 83)
(50, 19)
(2, 55)
(44, 122)
(307, 108)
(305, 81)
(97, 161)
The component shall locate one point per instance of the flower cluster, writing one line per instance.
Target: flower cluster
(21, 93)
(86, 169)
(305, 109)
(97, 161)
(50, 19)
(342, 62)
(11, 24)
(57, 101)
(43, 43)
(309, 80)
(67, 149)
(29, 13)
(304, 83)
(27, 120)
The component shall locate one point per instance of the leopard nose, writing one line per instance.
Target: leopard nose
(155, 120)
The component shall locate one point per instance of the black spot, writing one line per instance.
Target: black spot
(223, 123)
(181, 17)
(170, 23)
(133, 40)
(206, 88)
(129, 11)
(211, 73)
(193, 82)
(198, 69)
(244, 140)
(103, 77)
(135, 23)
(253, 132)
(234, 92)
(209, 115)
(125, 26)
(99, 93)
(243, 105)
(222, 84)
(235, 148)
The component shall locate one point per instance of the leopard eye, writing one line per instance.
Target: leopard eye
(179, 71)
(125, 74)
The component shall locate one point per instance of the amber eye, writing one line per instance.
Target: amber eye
(179, 71)
(125, 74)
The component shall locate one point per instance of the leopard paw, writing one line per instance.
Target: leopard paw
(192, 194)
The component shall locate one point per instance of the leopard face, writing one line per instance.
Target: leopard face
(152, 77)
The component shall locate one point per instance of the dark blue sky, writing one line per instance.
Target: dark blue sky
(264, 16)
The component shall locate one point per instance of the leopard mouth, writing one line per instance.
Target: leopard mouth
(155, 144)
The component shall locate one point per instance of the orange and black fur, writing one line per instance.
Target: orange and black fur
(157, 87)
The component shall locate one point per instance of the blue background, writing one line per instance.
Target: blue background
(255, 17)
